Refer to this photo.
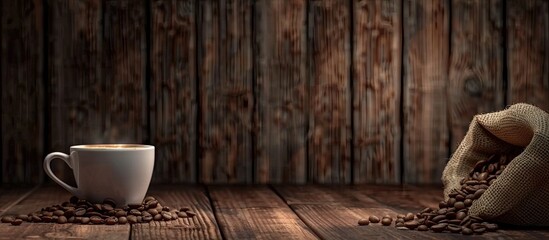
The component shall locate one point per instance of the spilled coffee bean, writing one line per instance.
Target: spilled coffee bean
(363, 222)
(452, 215)
(80, 211)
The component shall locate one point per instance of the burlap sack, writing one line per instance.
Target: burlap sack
(520, 195)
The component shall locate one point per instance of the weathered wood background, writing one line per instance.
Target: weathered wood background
(264, 91)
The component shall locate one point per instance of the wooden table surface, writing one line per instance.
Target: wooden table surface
(250, 212)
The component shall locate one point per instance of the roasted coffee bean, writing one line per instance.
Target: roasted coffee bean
(411, 224)
(373, 219)
(69, 213)
(409, 217)
(8, 219)
(401, 220)
(460, 215)
(438, 218)
(468, 202)
(181, 215)
(459, 205)
(192, 214)
(71, 219)
(442, 204)
(132, 219)
(479, 230)
(62, 220)
(476, 219)
(460, 198)
(121, 213)
(400, 224)
(147, 218)
(152, 204)
(439, 227)
(386, 221)
(96, 220)
(479, 193)
(111, 220)
(107, 207)
(135, 212)
(451, 202)
(148, 199)
(85, 220)
(122, 220)
(89, 214)
(59, 213)
(430, 223)
(17, 222)
(361, 222)
(398, 215)
(454, 228)
(442, 211)
(450, 215)
(454, 221)
(98, 207)
(157, 217)
(174, 215)
(36, 218)
(152, 211)
(168, 216)
(466, 231)
(422, 228)
(79, 212)
(426, 210)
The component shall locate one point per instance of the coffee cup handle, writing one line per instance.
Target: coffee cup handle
(47, 168)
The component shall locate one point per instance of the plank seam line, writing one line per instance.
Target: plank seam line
(214, 211)
(23, 197)
(315, 233)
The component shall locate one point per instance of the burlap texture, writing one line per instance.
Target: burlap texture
(520, 195)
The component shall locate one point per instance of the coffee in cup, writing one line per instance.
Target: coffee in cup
(121, 172)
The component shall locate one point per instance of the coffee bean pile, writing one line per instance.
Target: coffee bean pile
(452, 214)
(83, 212)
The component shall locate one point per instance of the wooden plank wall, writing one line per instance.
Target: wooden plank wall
(261, 91)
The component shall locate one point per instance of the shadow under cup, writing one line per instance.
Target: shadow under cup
(122, 172)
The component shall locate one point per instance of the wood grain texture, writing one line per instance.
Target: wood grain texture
(330, 92)
(280, 56)
(201, 226)
(124, 61)
(173, 93)
(338, 219)
(22, 91)
(48, 196)
(255, 213)
(377, 89)
(527, 52)
(96, 73)
(11, 196)
(226, 91)
(425, 53)
(476, 63)
(76, 87)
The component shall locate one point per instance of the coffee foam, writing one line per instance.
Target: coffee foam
(113, 146)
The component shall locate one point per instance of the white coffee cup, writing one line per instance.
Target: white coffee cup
(121, 172)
